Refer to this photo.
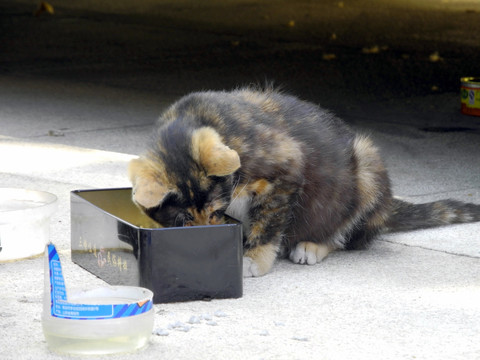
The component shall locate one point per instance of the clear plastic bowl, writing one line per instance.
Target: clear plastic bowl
(104, 320)
(24, 222)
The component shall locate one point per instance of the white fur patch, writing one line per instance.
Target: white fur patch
(238, 209)
(339, 239)
(466, 218)
(309, 253)
(250, 267)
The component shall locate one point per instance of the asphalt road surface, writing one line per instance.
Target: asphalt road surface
(333, 52)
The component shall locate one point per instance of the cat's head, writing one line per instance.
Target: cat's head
(186, 180)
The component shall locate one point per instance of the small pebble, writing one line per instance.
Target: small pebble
(175, 325)
(55, 133)
(264, 333)
(300, 338)
(212, 323)
(194, 320)
(219, 313)
(206, 317)
(4, 314)
(160, 332)
(185, 328)
(28, 300)
(279, 323)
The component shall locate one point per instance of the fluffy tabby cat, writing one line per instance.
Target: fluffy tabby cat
(299, 179)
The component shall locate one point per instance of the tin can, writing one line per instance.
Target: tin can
(470, 95)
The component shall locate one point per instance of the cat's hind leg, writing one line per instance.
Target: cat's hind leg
(307, 252)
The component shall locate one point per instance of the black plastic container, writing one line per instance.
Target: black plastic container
(114, 240)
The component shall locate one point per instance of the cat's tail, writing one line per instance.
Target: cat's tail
(406, 216)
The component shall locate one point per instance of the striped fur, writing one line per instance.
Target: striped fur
(299, 179)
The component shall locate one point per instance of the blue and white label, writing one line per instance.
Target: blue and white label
(61, 308)
(471, 97)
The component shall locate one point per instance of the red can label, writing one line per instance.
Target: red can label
(470, 97)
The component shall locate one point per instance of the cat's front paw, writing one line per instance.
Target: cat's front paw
(250, 268)
(258, 260)
(310, 253)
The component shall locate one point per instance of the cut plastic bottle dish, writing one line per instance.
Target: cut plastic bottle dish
(24, 222)
(103, 320)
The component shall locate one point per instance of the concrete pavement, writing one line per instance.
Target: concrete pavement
(410, 296)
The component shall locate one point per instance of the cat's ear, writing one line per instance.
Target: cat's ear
(212, 154)
(147, 190)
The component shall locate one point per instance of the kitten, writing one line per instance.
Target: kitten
(302, 183)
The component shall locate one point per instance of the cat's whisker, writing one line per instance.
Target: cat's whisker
(238, 194)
